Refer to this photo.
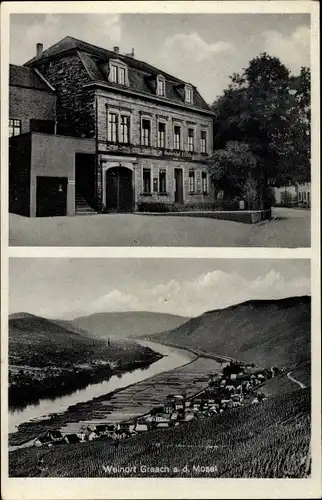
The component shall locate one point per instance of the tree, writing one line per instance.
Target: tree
(233, 171)
(268, 109)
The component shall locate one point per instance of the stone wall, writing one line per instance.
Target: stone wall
(75, 107)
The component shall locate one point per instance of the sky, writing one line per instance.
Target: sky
(68, 288)
(202, 49)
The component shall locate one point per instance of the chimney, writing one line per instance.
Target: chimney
(132, 53)
(116, 49)
(39, 49)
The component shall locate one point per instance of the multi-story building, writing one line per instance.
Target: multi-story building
(32, 102)
(150, 133)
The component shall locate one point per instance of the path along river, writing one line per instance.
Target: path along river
(173, 358)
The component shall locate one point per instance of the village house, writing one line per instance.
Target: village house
(56, 436)
(71, 438)
(43, 441)
(141, 426)
(93, 436)
(125, 137)
(82, 436)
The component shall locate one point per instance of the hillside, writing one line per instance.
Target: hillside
(36, 341)
(128, 324)
(270, 440)
(46, 359)
(266, 332)
(70, 326)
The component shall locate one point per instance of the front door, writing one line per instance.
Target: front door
(119, 190)
(51, 196)
(178, 193)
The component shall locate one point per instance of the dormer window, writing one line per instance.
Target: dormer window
(121, 76)
(188, 94)
(160, 86)
(118, 73)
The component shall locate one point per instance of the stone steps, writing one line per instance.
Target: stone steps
(82, 207)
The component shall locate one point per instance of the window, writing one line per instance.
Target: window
(113, 73)
(161, 135)
(177, 137)
(14, 127)
(204, 182)
(112, 134)
(188, 94)
(146, 133)
(117, 74)
(203, 141)
(162, 181)
(125, 129)
(190, 139)
(160, 86)
(146, 180)
(191, 181)
(121, 76)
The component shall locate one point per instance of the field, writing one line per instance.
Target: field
(123, 404)
(267, 441)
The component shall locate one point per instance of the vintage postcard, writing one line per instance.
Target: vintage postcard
(160, 196)
(150, 129)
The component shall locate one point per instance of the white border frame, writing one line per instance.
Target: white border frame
(29, 488)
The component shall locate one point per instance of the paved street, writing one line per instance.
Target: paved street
(289, 228)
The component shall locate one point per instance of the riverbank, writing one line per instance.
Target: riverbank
(113, 404)
(71, 380)
(126, 403)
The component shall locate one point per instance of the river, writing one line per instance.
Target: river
(173, 358)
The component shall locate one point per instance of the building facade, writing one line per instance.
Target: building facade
(150, 133)
(32, 102)
(295, 195)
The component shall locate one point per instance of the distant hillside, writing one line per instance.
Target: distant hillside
(128, 324)
(46, 359)
(266, 332)
(70, 326)
(37, 341)
(21, 315)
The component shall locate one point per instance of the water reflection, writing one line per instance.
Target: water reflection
(173, 358)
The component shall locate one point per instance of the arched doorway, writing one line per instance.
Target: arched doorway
(119, 190)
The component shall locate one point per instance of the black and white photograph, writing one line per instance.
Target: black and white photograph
(160, 251)
(139, 368)
(160, 130)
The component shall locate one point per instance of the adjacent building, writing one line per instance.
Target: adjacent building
(126, 136)
(294, 195)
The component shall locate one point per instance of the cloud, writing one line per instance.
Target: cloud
(212, 290)
(193, 47)
(104, 31)
(293, 50)
(192, 59)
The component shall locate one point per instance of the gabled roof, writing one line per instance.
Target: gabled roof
(141, 75)
(22, 76)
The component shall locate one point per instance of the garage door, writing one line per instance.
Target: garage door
(51, 196)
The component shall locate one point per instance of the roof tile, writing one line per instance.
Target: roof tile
(140, 74)
(22, 76)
